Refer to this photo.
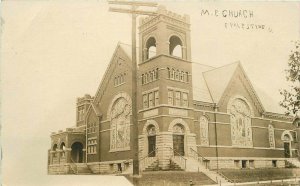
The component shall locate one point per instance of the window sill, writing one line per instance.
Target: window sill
(119, 150)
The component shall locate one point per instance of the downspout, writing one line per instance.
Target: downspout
(99, 144)
(216, 135)
(86, 140)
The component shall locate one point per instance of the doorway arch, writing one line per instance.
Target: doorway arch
(150, 133)
(77, 152)
(287, 139)
(180, 130)
(178, 139)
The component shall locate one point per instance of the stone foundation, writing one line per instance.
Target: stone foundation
(251, 163)
(59, 169)
(111, 167)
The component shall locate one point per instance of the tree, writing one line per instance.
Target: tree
(291, 97)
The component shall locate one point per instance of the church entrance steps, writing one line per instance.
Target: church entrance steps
(80, 168)
(153, 167)
(293, 162)
(148, 163)
(193, 165)
(178, 162)
(175, 167)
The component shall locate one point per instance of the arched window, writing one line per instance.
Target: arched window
(204, 131)
(63, 148)
(150, 48)
(116, 81)
(240, 119)
(286, 137)
(181, 76)
(146, 78)
(150, 76)
(271, 136)
(156, 73)
(177, 75)
(143, 79)
(120, 124)
(151, 52)
(172, 73)
(54, 147)
(178, 129)
(175, 46)
(169, 72)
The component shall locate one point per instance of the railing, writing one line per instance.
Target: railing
(73, 166)
(225, 177)
(147, 160)
(181, 160)
(202, 160)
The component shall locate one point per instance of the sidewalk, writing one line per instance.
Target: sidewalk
(260, 182)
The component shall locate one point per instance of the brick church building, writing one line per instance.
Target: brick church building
(191, 116)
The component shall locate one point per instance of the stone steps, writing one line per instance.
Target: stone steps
(175, 167)
(82, 168)
(194, 166)
(153, 167)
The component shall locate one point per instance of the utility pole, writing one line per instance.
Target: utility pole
(134, 5)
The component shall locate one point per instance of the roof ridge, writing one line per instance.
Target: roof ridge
(222, 66)
(203, 64)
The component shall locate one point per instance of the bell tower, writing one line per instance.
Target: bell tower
(167, 33)
(165, 85)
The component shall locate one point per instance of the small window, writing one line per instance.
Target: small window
(274, 163)
(244, 164)
(169, 73)
(181, 76)
(119, 167)
(172, 74)
(237, 163)
(177, 75)
(150, 76)
(146, 78)
(251, 164)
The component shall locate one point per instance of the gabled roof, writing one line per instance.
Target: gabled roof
(200, 89)
(128, 50)
(217, 80)
(268, 102)
(209, 83)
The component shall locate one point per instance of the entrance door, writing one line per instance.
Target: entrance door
(287, 149)
(77, 152)
(151, 145)
(178, 144)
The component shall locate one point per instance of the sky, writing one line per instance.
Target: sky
(55, 51)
